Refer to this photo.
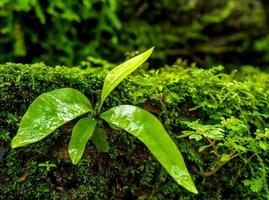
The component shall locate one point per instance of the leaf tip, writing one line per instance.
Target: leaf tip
(74, 156)
(15, 143)
(194, 190)
(74, 161)
(150, 50)
(104, 149)
(189, 185)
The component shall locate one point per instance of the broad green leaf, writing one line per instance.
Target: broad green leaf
(115, 76)
(147, 128)
(81, 133)
(48, 112)
(99, 138)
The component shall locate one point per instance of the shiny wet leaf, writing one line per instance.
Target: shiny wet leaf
(147, 128)
(81, 133)
(48, 112)
(115, 76)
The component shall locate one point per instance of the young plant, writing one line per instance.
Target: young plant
(53, 109)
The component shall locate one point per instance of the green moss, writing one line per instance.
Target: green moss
(222, 114)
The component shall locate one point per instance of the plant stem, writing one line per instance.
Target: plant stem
(220, 165)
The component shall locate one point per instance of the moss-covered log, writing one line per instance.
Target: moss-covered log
(225, 120)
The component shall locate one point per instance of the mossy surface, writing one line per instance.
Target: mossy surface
(225, 118)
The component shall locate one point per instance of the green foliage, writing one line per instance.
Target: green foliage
(56, 31)
(53, 109)
(48, 112)
(81, 133)
(202, 131)
(120, 72)
(48, 166)
(99, 138)
(67, 31)
(147, 128)
(256, 185)
(183, 98)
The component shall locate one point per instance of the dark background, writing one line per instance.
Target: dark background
(65, 32)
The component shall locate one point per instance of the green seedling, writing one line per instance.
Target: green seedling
(51, 110)
(48, 166)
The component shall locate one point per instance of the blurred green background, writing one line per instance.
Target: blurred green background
(208, 32)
